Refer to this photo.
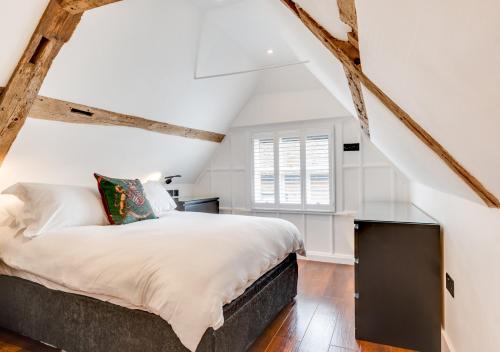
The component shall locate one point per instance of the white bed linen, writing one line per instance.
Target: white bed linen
(183, 267)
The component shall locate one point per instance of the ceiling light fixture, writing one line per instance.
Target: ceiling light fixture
(270, 51)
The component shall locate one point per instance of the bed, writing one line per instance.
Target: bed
(187, 281)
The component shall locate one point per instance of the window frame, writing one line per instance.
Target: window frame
(331, 168)
(287, 133)
(262, 135)
(297, 130)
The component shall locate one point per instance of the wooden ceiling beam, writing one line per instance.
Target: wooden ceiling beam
(59, 110)
(45, 108)
(54, 29)
(343, 51)
(80, 6)
(358, 100)
(347, 12)
(346, 52)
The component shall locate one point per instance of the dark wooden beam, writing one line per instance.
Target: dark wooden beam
(348, 55)
(54, 29)
(45, 108)
(79, 6)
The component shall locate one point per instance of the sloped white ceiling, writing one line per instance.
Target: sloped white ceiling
(322, 63)
(285, 79)
(54, 152)
(435, 60)
(251, 32)
(135, 57)
(139, 57)
(18, 20)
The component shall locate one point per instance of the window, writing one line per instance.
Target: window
(263, 156)
(289, 170)
(318, 170)
(293, 170)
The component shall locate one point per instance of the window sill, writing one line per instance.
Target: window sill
(294, 211)
(289, 211)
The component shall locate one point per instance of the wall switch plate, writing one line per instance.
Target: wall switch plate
(351, 147)
(450, 285)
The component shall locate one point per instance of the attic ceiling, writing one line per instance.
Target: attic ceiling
(108, 64)
(436, 74)
(236, 37)
(285, 79)
(431, 73)
(390, 135)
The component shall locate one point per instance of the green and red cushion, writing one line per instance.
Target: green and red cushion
(124, 200)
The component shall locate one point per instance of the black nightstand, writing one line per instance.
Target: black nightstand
(198, 204)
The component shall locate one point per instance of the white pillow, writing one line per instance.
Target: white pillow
(159, 198)
(50, 207)
(11, 209)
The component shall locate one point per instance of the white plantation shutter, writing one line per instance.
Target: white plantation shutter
(289, 170)
(263, 163)
(293, 169)
(317, 170)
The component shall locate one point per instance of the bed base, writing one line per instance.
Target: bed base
(78, 323)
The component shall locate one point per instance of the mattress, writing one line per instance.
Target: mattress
(79, 323)
(183, 267)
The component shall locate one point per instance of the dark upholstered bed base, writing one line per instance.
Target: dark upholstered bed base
(78, 323)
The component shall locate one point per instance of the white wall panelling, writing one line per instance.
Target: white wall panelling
(358, 176)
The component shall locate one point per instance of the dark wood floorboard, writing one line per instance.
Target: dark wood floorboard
(321, 319)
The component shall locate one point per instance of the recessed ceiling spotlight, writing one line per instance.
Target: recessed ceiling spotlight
(270, 51)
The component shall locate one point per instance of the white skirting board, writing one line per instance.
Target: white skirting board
(329, 257)
(446, 345)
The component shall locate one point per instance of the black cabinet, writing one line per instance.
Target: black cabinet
(198, 204)
(398, 277)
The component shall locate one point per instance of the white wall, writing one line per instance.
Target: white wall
(135, 57)
(287, 94)
(289, 106)
(359, 176)
(471, 256)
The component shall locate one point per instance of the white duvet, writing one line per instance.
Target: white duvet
(183, 267)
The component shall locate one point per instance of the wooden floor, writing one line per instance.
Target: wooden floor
(320, 320)
(322, 317)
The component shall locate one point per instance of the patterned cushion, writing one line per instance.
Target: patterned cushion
(124, 200)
